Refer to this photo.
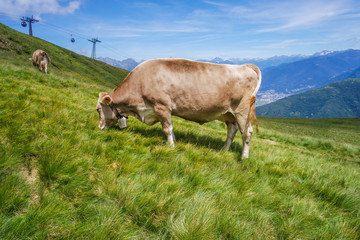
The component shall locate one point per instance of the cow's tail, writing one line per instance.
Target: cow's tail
(49, 60)
(252, 115)
(54, 65)
(52, 62)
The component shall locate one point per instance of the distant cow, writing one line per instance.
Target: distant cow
(196, 91)
(41, 60)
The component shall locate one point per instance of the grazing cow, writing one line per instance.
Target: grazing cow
(196, 91)
(41, 60)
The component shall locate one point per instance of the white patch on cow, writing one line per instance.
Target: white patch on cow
(171, 137)
(245, 153)
(147, 115)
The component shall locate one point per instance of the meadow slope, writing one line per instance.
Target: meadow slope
(63, 178)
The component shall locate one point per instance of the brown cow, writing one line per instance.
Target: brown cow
(196, 91)
(41, 60)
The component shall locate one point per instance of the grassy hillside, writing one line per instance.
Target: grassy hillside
(63, 178)
(16, 48)
(339, 99)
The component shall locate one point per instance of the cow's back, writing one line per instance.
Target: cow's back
(36, 57)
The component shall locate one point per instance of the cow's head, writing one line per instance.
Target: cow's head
(43, 56)
(107, 118)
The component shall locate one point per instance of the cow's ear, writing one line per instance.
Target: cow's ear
(106, 99)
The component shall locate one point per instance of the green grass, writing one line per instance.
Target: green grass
(63, 178)
(341, 130)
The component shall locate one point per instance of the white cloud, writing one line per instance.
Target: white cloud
(37, 7)
(304, 14)
(218, 4)
(290, 43)
(279, 15)
(141, 30)
(83, 51)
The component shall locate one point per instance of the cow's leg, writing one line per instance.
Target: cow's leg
(164, 116)
(168, 129)
(247, 141)
(231, 132)
(172, 133)
(246, 132)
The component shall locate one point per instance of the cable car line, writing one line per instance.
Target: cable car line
(73, 35)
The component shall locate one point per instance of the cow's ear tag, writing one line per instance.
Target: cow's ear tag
(106, 100)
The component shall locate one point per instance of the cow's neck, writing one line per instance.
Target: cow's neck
(125, 97)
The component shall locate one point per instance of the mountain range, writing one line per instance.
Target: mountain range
(262, 63)
(129, 63)
(310, 73)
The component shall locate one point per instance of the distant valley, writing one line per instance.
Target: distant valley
(336, 100)
(307, 74)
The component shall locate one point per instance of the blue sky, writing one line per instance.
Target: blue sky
(193, 29)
